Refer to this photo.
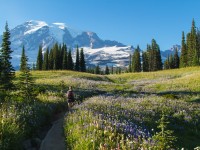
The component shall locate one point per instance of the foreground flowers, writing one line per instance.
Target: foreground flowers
(111, 122)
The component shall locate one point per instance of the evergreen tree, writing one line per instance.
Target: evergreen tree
(54, 64)
(198, 46)
(97, 70)
(155, 56)
(164, 139)
(136, 61)
(145, 64)
(26, 83)
(150, 57)
(166, 63)
(176, 59)
(23, 62)
(39, 59)
(130, 62)
(56, 57)
(70, 64)
(82, 61)
(51, 60)
(7, 73)
(60, 56)
(159, 59)
(77, 65)
(192, 46)
(183, 59)
(195, 61)
(89, 70)
(120, 70)
(107, 70)
(116, 70)
(45, 65)
(171, 62)
(64, 65)
(112, 70)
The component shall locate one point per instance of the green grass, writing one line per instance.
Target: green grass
(177, 80)
(181, 86)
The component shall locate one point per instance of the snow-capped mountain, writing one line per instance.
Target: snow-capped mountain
(33, 33)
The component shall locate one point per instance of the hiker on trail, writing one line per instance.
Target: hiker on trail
(70, 97)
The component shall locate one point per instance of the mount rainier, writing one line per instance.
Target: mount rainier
(33, 33)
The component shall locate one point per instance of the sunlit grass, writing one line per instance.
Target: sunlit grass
(146, 94)
(184, 79)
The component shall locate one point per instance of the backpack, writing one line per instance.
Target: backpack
(70, 95)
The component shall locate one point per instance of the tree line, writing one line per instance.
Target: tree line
(151, 58)
(190, 48)
(105, 71)
(60, 58)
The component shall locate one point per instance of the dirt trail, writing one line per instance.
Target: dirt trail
(55, 139)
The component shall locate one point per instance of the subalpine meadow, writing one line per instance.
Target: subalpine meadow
(113, 111)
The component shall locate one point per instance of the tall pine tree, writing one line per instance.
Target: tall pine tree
(112, 70)
(145, 64)
(136, 61)
(39, 59)
(97, 70)
(166, 63)
(45, 65)
(50, 62)
(159, 59)
(150, 57)
(192, 46)
(155, 56)
(64, 65)
(171, 62)
(26, 84)
(23, 63)
(60, 56)
(56, 57)
(82, 61)
(130, 62)
(176, 59)
(183, 58)
(7, 73)
(70, 64)
(77, 64)
(107, 70)
(198, 45)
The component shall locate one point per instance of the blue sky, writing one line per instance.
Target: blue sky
(131, 22)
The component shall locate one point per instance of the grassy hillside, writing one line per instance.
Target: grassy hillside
(117, 111)
(185, 79)
(147, 96)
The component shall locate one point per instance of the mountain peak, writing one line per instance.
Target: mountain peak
(33, 26)
(33, 33)
(89, 33)
(60, 25)
(36, 22)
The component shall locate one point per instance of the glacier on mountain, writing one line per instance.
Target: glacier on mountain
(33, 33)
